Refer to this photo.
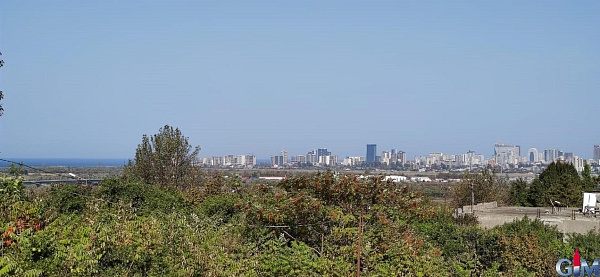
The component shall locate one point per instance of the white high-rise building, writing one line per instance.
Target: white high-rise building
(578, 162)
(353, 161)
(533, 155)
(386, 157)
(299, 159)
(550, 155)
(505, 154)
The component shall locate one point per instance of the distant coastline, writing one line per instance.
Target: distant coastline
(69, 162)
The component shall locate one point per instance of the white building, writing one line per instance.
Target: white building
(532, 155)
(395, 178)
(420, 179)
(328, 160)
(299, 159)
(505, 154)
(230, 160)
(353, 161)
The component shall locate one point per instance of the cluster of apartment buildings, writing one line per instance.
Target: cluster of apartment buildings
(510, 156)
(323, 157)
(388, 158)
(439, 160)
(505, 156)
(316, 157)
(238, 161)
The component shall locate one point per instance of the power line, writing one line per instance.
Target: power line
(48, 172)
(156, 211)
(27, 166)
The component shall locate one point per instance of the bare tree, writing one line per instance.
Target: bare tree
(479, 188)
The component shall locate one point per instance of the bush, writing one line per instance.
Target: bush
(529, 245)
(68, 198)
(469, 249)
(588, 244)
(144, 198)
(221, 205)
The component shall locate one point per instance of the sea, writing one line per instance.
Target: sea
(69, 162)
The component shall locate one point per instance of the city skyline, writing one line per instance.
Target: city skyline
(88, 79)
(499, 150)
(506, 156)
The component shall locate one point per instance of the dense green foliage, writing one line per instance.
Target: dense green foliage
(303, 226)
(518, 193)
(166, 159)
(559, 183)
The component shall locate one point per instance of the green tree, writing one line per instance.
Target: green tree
(166, 159)
(564, 184)
(518, 193)
(587, 181)
(536, 196)
(11, 190)
(559, 182)
(15, 170)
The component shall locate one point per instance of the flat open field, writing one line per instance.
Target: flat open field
(561, 219)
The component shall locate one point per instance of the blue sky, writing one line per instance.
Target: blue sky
(86, 79)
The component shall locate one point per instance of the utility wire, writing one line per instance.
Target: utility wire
(27, 166)
(60, 174)
(153, 211)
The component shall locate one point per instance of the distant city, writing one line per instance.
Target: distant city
(506, 157)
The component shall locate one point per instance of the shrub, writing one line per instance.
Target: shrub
(588, 244)
(68, 198)
(221, 205)
(529, 245)
(144, 198)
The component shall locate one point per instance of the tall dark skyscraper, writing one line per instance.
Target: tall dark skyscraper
(322, 152)
(371, 153)
(596, 152)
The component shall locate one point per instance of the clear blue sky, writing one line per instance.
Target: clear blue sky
(86, 79)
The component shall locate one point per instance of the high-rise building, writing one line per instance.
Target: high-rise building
(402, 157)
(328, 160)
(533, 155)
(500, 148)
(371, 153)
(321, 152)
(550, 155)
(354, 161)
(569, 156)
(596, 152)
(279, 160)
(299, 159)
(247, 161)
(311, 157)
(229, 160)
(506, 154)
(386, 157)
